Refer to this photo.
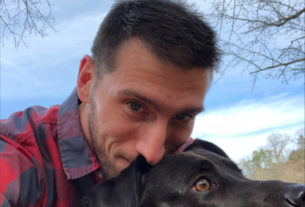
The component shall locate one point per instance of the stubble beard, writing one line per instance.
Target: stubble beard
(98, 145)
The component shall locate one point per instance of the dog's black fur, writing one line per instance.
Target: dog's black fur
(171, 184)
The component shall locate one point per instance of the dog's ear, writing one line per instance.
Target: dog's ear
(124, 190)
(201, 144)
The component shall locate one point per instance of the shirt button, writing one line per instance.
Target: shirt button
(100, 175)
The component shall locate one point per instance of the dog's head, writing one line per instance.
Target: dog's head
(140, 182)
(191, 178)
(200, 176)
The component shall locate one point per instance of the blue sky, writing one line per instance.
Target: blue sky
(238, 117)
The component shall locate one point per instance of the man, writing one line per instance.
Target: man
(138, 94)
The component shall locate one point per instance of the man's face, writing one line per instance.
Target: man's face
(145, 106)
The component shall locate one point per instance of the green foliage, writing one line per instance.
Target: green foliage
(261, 158)
(296, 155)
(301, 142)
(299, 153)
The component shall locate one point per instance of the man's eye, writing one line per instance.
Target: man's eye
(134, 106)
(184, 117)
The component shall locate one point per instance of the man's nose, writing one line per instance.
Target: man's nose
(151, 144)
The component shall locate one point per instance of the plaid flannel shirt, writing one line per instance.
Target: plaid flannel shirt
(43, 153)
(44, 158)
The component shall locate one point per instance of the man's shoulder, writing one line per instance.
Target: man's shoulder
(26, 154)
(26, 123)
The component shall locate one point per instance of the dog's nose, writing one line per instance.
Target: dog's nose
(296, 195)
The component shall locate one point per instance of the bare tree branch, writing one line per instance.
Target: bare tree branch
(21, 18)
(278, 65)
(280, 22)
(263, 36)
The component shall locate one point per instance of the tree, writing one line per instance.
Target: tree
(267, 36)
(260, 159)
(300, 138)
(21, 18)
(299, 153)
(277, 144)
(270, 162)
(246, 165)
(296, 155)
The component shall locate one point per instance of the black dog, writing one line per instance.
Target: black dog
(201, 176)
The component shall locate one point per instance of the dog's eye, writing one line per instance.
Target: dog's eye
(201, 185)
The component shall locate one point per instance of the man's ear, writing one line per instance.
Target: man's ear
(85, 79)
(205, 145)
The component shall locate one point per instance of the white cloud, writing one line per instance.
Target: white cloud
(241, 128)
(48, 67)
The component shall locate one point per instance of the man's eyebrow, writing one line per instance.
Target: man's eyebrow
(194, 110)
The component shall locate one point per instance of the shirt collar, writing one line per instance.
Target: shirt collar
(77, 158)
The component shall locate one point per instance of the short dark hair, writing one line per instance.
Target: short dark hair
(171, 30)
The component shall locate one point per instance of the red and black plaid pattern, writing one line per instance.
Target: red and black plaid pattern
(42, 153)
(44, 158)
